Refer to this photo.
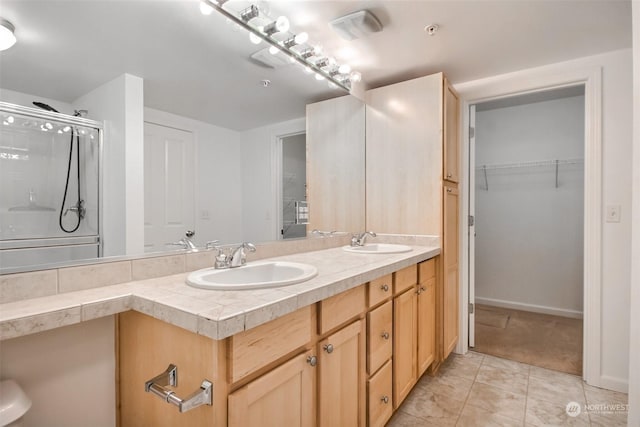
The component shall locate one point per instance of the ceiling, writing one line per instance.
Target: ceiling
(199, 67)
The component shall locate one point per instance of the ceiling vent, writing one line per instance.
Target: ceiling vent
(266, 59)
(356, 25)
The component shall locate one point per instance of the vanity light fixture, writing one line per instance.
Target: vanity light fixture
(295, 47)
(7, 36)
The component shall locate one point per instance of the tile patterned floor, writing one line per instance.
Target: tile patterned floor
(486, 391)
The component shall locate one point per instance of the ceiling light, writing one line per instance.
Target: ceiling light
(206, 8)
(7, 38)
(273, 50)
(431, 29)
(356, 25)
(296, 40)
(280, 25)
(355, 76)
(344, 69)
(319, 77)
(249, 13)
(254, 39)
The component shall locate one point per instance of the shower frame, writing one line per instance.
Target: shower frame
(38, 113)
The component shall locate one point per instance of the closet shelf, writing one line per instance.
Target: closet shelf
(539, 163)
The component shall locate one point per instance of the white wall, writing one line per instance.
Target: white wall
(259, 179)
(120, 104)
(634, 325)
(68, 373)
(528, 232)
(612, 360)
(218, 177)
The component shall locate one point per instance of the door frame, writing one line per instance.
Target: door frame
(278, 175)
(535, 80)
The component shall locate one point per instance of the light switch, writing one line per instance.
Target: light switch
(613, 213)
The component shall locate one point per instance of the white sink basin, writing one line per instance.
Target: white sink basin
(256, 275)
(378, 248)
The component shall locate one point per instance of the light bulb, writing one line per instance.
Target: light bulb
(319, 77)
(206, 8)
(59, 131)
(254, 39)
(317, 50)
(308, 70)
(355, 77)
(10, 119)
(344, 69)
(48, 125)
(301, 38)
(66, 128)
(292, 59)
(273, 50)
(282, 24)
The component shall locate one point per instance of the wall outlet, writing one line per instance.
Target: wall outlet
(613, 213)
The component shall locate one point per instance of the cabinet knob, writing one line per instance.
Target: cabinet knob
(312, 360)
(385, 288)
(422, 289)
(449, 190)
(384, 399)
(385, 335)
(419, 291)
(328, 348)
(449, 175)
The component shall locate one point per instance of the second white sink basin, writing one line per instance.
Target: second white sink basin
(256, 275)
(378, 248)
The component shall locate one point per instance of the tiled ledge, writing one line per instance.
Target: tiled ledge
(215, 314)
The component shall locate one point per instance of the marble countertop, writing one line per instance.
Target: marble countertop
(215, 314)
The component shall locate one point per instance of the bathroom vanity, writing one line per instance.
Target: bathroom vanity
(348, 359)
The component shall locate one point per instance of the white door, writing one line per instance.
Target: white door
(169, 200)
(471, 224)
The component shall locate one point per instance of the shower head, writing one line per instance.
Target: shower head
(45, 106)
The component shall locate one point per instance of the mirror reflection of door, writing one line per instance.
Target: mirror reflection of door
(169, 201)
(294, 183)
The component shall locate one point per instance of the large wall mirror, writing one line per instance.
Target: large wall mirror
(223, 123)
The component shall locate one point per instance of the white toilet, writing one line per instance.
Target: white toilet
(14, 403)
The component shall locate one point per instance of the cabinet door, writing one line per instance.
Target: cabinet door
(404, 345)
(450, 276)
(451, 134)
(282, 397)
(426, 324)
(341, 388)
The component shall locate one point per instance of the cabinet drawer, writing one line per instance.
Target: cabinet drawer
(253, 349)
(379, 395)
(426, 270)
(380, 289)
(340, 308)
(379, 336)
(405, 278)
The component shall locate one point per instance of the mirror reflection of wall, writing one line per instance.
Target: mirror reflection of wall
(294, 184)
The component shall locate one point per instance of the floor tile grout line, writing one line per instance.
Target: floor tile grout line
(464, 405)
(526, 398)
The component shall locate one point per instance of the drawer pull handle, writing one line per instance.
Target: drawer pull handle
(385, 335)
(384, 399)
(159, 386)
(328, 348)
(312, 360)
(385, 288)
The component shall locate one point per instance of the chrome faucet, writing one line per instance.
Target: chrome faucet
(231, 258)
(238, 256)
(186, 241)
(359, 239)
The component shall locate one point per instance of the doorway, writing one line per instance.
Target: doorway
(526, 241)
(294, 213)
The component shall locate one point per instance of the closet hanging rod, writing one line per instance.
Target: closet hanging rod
(539, 163)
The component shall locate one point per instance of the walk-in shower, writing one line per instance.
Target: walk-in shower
(50, 183)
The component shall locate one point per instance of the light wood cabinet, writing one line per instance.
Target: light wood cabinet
(405, 375)
(380, 403)
(341, 381)
(451, 135)
(283, 397)
(380, 290)
(379, 336)
(426, 325)
(450, 276)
